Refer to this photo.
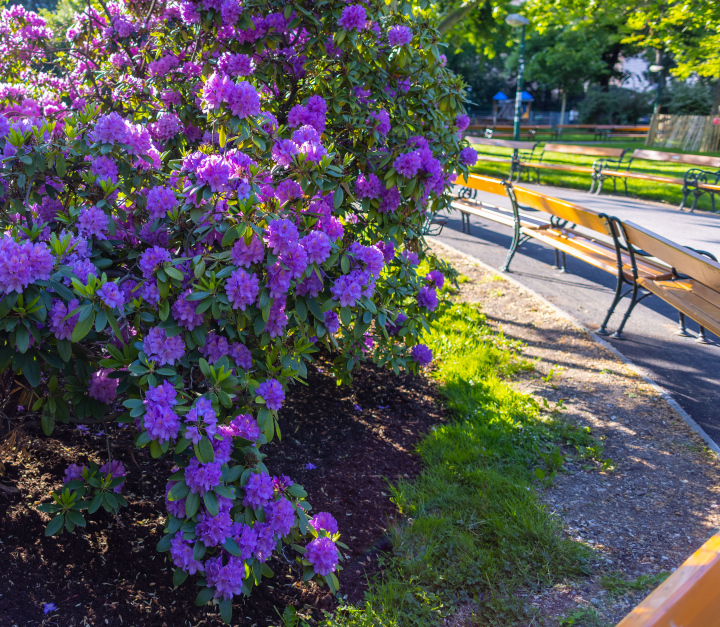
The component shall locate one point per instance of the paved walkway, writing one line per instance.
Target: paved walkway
(689, 371)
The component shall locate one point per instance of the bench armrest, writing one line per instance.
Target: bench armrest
(698, 175)
(607, 164)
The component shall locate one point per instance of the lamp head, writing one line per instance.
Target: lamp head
(656, 68)
(515, 20)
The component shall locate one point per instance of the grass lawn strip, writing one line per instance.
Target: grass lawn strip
(647, 190)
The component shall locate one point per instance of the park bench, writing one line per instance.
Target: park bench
(622, 132)
(569, 149)
(525, 150)
(557, 228)
(691, 285)
(696, 181)
(507, 130)
(688, 597)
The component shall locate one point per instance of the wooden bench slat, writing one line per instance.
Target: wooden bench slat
(600, 256)
(645, 177)
(482, 184)
(676, 157)
(561, 209)
(588, 151)
(683, 259)
(556, 166)
(688, 598)
(502, 143)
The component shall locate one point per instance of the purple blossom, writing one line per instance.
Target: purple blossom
(215, 172)
(383, 121)
(265, 542)
(245, 255)
(408, 164)
(323, 520)
(394, 327)
(93, 221)
(436, 277)
(200, 421)
(103, 388)
(214, 530)
(317, 245)
(165, 350)
(244, 100)
(399, 36)
(389, 200)
(421, 354)
(332, 322)
(245, 426)
(111, 295)
(176, 508)
(182, 555)
(202, 478)
(111, 129)
(387, 249)
(272, 392)
(368, 187)
(167, 126)
(161, 422)
(462, 122)
(353, 17)
(242, 289)
(332, 227)
(62, 329)
(427, 297)
(346, 290)
(183, 311)
(236, 64)
(160, 200)
(306, 133)
(246, 538)
(49, 607)
(280, 515)
(468, 156)
(323, 555)
(104, 168)
(282, 235)
(258, 490)
(241, 355)
(283, 152)
(278, 280)
(151, 260)
(277, 320)
(288, 190)
(74, 472)
(310, 466)
(312, 114)
(115, 469)
(216, 347)
(295, 260)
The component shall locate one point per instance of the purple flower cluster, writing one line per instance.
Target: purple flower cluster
(111, 295)
(167, 126)
(368, 186)
(159, 420)
(272, 392)
(427, 297)
(462, 122)
(245, 426)
(115, 469)
(152, 259)
(102, 387)
(93, 221)
(214, 530)
(245, 255)
(242, 289)
(323, 520)
(160, 200)
(73, 473)
(323, 555)
(436, 277)
(182, 555)
(312, 114)
(468, 156)
(200, 420)
(280, 515)
(202, 478)
(165, 350)
(258, 490)
(281, 236)
(227, 579)
(62, 329)
(332, 322)
(277, 320)
(382, 118)
(399, 36)
(421, 354)
(242, 99)
(236, 64)
(104, 168)
(353, 17)
(371, 256)
(183, 311)
(394, 327)
(22, 264)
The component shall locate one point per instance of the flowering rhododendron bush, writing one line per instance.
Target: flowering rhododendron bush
(196, 198)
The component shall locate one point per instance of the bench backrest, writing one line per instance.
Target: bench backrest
(674, 157)
(588, 151)
(482, 184)
(502, 143)
(561, 209)
(579, 126)
(684, 260)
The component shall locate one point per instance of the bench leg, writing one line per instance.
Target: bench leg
(601, 180)
(514, 245)
(686, 191)
(633, 301)
(616, 299)
(682, 329)
(702, 338)
(695, 199)
(559, 260)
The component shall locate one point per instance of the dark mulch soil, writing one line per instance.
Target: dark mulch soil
(110, 574)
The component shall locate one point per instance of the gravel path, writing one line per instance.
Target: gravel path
(656, 499)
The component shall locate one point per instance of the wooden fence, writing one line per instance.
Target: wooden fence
(691, 133)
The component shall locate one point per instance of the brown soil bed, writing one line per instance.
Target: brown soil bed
(659, 499)
(359, 438)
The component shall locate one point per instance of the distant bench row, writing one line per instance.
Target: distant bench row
(600, 132)
(642, 262)
(610, 163)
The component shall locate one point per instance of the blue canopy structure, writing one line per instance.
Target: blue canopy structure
(526, 97)
(500, 96)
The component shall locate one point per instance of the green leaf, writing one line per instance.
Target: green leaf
(95, 503)
(204, 596)
(204, 451)
(82, 328)
(64, 349)
(179, 576)
(192, 503)
(338, 197)
(60, 165)
(165, 543)
(178, 491)
(232, 547)
(47, 422)
(22, 338)
(76, 517)
(211, 503)
(225, 610)
(55, 525)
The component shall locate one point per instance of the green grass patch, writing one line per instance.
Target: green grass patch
(616, 584)
(647, 190)
(474, 528)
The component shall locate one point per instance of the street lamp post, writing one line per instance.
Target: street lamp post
(515, 20)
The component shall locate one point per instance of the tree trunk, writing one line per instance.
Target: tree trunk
(716, 101)
(458, 15)
(562, 107)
